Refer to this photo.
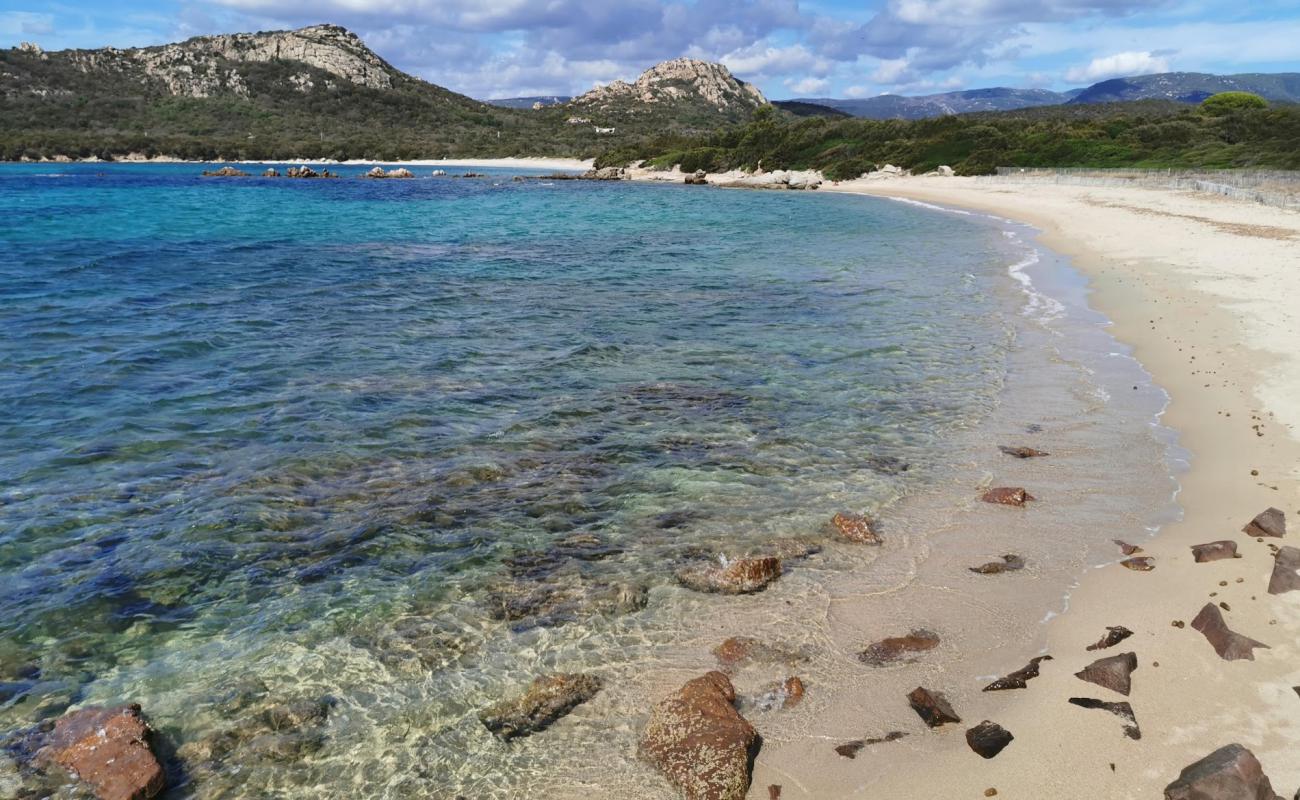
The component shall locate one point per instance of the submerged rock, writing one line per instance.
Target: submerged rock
(1022, 452)
(698, 740)
(1230, 646)
(988, 738)
(108, 749)
(549, 604)
(1114, 635)
(548, 698)
(788, 549)
(1126, 548)
(739, 576)
(741, 650)
(856, 528)
(1285, 578)
(1007, 496)
(1139, 563)
(781, 694)
(1230, 773)
(1112, 672)
(1271, 522)
(851, 749)
(1214, 551)
(1009, 563)
(932, 707)
(893, 649)
(1018, 679)
(1122, 710)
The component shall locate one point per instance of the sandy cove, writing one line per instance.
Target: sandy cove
(1207, 291)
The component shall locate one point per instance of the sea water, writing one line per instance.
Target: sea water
(388, 450)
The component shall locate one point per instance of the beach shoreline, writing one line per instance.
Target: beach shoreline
(1184, 279)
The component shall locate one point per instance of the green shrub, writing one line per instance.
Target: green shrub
(1227, 102)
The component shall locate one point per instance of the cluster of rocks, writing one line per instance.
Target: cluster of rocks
(380, 172)
(776, 179)
(225, 172)
(304, 171)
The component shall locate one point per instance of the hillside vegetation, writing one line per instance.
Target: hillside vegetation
(1149, 134)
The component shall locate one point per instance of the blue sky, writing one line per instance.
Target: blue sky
(499, 48)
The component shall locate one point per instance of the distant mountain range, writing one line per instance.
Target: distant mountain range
(1183, 87)
(539, 101)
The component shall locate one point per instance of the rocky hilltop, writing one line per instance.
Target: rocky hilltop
(676, 81)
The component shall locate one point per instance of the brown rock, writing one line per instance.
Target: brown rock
(1139, 564)
(738, 576)
(1230, 773)
(780, 694)
(1285, 563)
(699, 742)
(1019, 678)
(932, 707)
(108, 749)
(793, 687)
(1271, 522)
(1007, 496)
(1230, 645)
(1114, 635)
(855, 528)
(548, 698)
(741, 650)
(1214, 551)
(850, 749)
(990, 792)
(789, 549)
(1022, 452)
(1122, 710)
(1126, 548)
(774, 792)
(887, 651)
(988, 738)
(225, 172)
(1009, 563)
(1113, 672)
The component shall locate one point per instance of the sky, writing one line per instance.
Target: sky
(788, 48)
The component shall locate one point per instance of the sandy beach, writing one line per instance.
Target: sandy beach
(1206, 291)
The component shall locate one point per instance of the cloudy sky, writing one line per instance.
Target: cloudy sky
(831, 48)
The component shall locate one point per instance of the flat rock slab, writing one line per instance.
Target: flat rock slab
(1114, 635)
(855, 528)
(932, 707)
(1022, 452)
(1214, 551)
(1139, 563)
(1122, 710)
(988, 738)
(548, 698)
(898, 648)
(108, 749)
(1112, 672)
(1271, 522)
(1018, 679)
(1230, 773)
(1126, 548)
(698, 740)
(741, 650)
(738, 576)
(1009, 563)
(1007, 496)
(1285, 578)
(1230, 645)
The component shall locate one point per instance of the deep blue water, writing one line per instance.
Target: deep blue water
(255, 429)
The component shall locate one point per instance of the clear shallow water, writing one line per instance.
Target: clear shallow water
(274, 441)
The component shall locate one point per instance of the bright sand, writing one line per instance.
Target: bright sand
(1207, 291)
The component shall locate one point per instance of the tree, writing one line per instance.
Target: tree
(1227, 102)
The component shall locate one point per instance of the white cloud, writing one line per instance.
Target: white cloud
(807, 85)
(1132, 62)
(25, 23)
(761, 58)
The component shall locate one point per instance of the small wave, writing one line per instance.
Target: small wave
(1037, 305)
(912, 202)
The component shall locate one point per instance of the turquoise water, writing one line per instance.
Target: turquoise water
(395, 446)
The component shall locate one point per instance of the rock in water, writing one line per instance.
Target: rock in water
(933, 708)
(547, 699)
(1214, 551)
(855, 528)
(1122, 710)
(270, 173)
(988, 738)
(1271, 522)
(1230, 645)
(401, 172)
(1019, 678)
(1009, 563)
(850, 749)
(1022, 452)
(699, 742)
(1139, 564)
(738, 576)
(1007, 496)
(376, 172)
(1126, 548)
(1285, 564)
(108, 748)
(741, 650)
(225, 172)
(1113, 672)
(1230, 773)
(1114, 635)
(889, 650)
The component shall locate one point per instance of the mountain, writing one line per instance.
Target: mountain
(1193, 87)
(1183, 87)
(692, 94)
(538, 102)
(803, 109)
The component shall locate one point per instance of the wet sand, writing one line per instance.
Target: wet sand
(1206, 291)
